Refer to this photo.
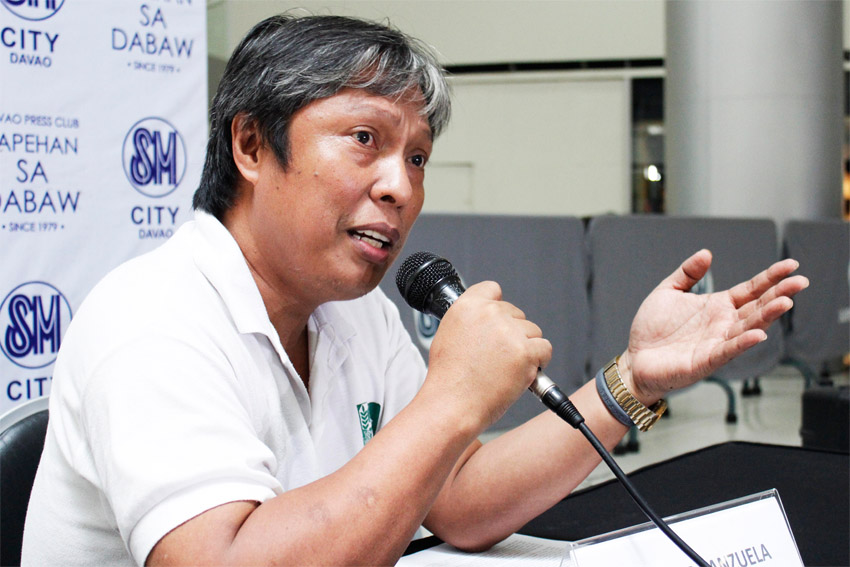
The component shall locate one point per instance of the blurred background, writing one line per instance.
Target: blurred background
(564, 107)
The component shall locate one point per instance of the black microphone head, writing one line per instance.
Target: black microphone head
(420, 274)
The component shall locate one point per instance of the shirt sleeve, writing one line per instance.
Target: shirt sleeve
(171, 436)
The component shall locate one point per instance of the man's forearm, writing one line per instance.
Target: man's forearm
(521, 474)
(364, 513)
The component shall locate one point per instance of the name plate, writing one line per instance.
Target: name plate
(749, 531)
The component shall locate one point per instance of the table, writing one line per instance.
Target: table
(814, 487)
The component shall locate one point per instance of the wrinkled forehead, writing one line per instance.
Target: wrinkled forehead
(406, 93)
(402, 111)
(412, 100)
(407, 84)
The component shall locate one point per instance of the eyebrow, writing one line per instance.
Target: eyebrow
(392, 116)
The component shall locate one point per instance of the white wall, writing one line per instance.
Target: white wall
(476, 31)
(846, 21)
(550, 144)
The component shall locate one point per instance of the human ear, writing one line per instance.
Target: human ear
(246, 145)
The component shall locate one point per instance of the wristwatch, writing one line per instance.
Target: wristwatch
(643, 417)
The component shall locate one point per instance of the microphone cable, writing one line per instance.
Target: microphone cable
(556, 401)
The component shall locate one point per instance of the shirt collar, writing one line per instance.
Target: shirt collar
(218, 256)
(330, 323)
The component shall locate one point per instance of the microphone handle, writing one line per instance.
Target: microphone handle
(441, 297)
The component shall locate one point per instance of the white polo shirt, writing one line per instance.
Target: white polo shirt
(172, 395)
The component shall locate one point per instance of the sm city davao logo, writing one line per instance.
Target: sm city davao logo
(154, 157)
(33, 10)
(33, 318)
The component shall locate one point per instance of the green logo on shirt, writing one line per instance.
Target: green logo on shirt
(369, 413)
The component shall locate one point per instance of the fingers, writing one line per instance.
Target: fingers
(736, 346)
(491, 291)
(489, 311)
(756, 287)
(538, 344)
(762, 317)
(788, 288)
(770, 306)
(486, 352)
(485, 289)
(766, 297)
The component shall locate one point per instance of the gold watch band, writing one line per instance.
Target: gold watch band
(643, 417)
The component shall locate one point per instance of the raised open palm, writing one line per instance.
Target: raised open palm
(677, 337)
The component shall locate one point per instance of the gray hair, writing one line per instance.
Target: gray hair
(286, 62)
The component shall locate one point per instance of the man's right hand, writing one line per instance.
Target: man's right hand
(486, 353)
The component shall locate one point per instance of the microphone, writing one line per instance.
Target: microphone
(430, 284)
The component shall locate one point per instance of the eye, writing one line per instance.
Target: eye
(419, 160)
(365, 138)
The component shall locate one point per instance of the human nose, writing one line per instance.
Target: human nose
(393, 185)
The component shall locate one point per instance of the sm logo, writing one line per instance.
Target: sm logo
(33, 318)
(154, 157)
(33, 10)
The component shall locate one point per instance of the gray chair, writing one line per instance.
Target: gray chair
(22, 432)
(630, 255)
(817, 329)
(541, 265)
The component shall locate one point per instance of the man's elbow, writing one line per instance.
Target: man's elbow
(471, 537)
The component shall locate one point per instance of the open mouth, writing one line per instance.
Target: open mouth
(372, 238)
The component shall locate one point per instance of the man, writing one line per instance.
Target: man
(203, 405)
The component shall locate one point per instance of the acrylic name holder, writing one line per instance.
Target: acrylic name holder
(747, 531)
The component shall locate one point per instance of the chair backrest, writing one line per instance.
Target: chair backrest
(541, 266)
(22, 432)
(818, 327)
(630, 255)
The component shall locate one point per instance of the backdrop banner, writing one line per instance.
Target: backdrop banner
(103, 125)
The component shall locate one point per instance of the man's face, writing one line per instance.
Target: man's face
(329, 226)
